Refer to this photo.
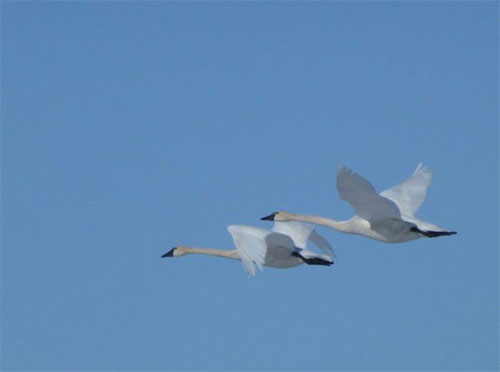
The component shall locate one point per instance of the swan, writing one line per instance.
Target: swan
(387, 217)
(282, 247)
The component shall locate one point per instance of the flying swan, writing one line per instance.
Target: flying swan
(387, 217)
(282, 247)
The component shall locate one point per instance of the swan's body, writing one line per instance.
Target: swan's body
(387, 217)
(283, 247)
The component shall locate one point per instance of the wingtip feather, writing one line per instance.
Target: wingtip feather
(423, 170)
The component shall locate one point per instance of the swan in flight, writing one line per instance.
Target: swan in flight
(387, 217)
(282, 247)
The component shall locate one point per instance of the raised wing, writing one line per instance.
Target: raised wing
(361, 195)
(301, 232)
(298, 231)
(410, 194)
(251, 246)
(322, 244)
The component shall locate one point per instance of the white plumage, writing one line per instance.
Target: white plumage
(284, 246)
(387, 217)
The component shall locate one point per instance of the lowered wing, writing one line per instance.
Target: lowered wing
(251, 246)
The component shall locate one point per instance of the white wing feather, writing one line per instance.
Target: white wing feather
(361, 195)
(410, 194)
(251, 246)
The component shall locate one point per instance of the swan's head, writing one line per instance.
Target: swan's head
(279, 216)
(175, 252)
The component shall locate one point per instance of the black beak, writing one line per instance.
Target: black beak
(269, 218)
(170, 253)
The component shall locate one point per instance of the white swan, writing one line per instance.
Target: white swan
(387, 217)
(283, 247)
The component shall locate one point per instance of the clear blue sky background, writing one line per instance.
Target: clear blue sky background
(128, 128)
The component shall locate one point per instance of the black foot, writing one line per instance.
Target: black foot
(313, 261)
(432, 234)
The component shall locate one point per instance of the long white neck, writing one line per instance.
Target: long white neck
(343, 226)
(212, 252)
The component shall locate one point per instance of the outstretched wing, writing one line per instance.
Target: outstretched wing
(361, 195)
(301, 232)
(322, 244)
(410, 194)
(251, 246)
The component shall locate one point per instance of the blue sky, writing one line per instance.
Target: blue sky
(131, 127)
